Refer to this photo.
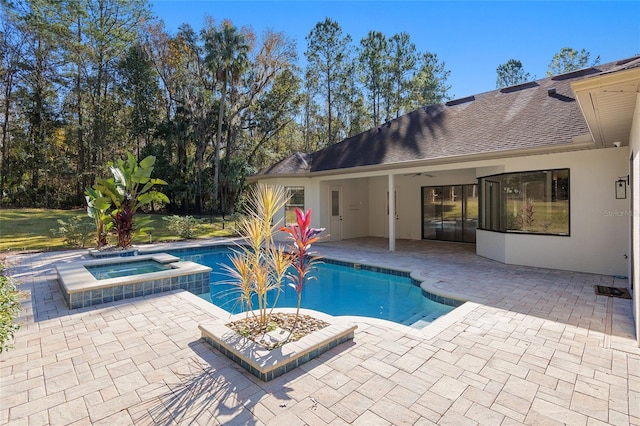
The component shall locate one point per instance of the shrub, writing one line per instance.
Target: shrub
(185, 226)
(9, 308)
(76, 231)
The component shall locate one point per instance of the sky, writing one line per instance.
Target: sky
(471, 38)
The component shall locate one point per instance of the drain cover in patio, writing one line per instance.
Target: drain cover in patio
(602, 290)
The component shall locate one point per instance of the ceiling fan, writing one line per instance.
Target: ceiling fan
(419, 174)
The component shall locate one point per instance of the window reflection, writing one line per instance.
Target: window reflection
(296, 194)
(450, 213)
(530, 202)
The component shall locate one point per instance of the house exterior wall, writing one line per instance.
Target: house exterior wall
(355, 203)
(598, 240)
(311, 200)
(634, 152)
(599, 236)
(377, 190)
(408, 200)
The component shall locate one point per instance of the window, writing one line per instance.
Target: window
(529, 202)
(296, 194)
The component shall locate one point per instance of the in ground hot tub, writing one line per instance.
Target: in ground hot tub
(123, 269)
(93, 282)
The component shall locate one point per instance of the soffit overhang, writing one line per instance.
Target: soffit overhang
(607, 102)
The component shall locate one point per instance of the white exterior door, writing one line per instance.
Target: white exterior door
(335, 206)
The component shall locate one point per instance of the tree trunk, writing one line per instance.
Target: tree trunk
(5, 134)
(82, 179)
(330, 138)
(216, 172)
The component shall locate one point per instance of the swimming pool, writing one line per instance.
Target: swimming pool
(338, 290)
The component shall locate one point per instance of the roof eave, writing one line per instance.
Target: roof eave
(257, 177)
(586, 90)
(582, 142)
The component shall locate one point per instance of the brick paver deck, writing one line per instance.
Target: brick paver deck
(533, 346)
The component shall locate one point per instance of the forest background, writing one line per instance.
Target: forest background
(84, 82)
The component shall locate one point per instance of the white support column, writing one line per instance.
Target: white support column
(392, 213)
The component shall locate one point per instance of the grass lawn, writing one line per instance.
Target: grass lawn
(29, 229)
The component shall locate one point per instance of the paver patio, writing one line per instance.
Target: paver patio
(533, 346)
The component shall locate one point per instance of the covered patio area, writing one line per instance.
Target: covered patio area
(533, 346)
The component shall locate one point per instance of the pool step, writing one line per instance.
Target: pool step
(413, 318)
(420, 320)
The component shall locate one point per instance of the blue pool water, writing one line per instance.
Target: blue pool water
(115, 270)
(338, 290)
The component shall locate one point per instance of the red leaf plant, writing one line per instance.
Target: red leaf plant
(302, 236)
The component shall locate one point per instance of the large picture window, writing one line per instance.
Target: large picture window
(529, 202)
(296, 194)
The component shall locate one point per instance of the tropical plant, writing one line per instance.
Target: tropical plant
(98, 209)
(258, 267)
(9, 308)
(130, 188)
(302, 236)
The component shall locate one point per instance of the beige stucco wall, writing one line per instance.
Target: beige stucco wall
(409, 199)
(598, 240)
(311, 200)
(599, 230)
(355, 202)
(634, 151)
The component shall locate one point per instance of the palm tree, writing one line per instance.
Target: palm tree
(227, 54)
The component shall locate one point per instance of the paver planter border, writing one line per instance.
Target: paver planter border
(267, 365)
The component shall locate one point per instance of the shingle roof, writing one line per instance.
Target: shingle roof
(518, 117)
(299, 162)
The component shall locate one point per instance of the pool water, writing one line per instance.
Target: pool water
(338, 290)
(103, 272)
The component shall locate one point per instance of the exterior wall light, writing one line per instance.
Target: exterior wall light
(621, 187)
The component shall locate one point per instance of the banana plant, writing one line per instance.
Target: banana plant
(129, 188)
(98, 209)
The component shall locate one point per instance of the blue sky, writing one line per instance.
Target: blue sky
(472, 38)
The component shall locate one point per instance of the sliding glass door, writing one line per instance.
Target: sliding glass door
(450, 213)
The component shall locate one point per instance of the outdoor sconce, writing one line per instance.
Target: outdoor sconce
(621, 187)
